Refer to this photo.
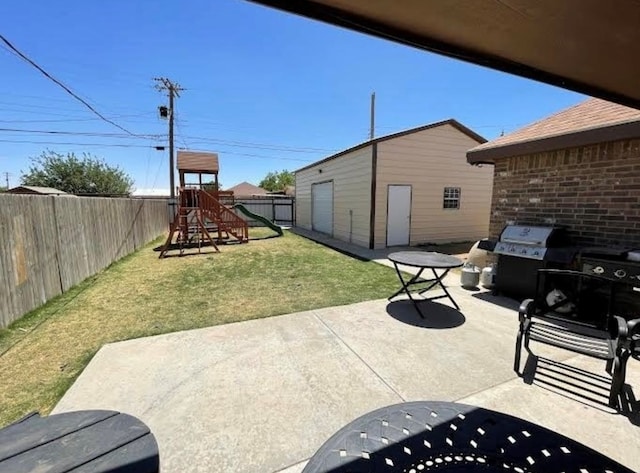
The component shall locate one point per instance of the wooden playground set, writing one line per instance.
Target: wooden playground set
(206, 216)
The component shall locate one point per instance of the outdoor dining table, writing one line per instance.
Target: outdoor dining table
(93, 441)
(415, 437)
(424, 260)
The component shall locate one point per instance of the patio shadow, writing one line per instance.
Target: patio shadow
(502, 301)
(579, 385)
(437, 316)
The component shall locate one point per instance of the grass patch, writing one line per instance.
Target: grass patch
(140, 295)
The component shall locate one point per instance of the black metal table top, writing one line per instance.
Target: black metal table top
(81, 441)
(415, 437)
(425, 259)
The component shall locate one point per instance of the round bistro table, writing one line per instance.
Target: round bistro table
(424, 260)
(79, 442)
(416, 437)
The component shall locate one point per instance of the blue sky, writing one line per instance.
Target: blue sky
(265, 89)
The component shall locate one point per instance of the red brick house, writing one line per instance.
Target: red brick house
(579, 168)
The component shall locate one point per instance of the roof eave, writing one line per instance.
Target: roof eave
(509, 62)
(197, 171)
(621, 131)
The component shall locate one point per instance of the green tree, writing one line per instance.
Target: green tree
(277, 181)
(86, 175)
(3, 188)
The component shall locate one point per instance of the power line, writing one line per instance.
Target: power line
(155, 137)
(181, 136)
(250, 155)
(148, 166)
(104, 145)
(64, 87)
(40, 106)
(80, 133)
(265, 146)
(65, 120)
(39, 113)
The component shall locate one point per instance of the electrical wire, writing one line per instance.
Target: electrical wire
(265, 146)
(180, 134)
(148, 165)
(81, 133)
(64, 87)
(65, 120)
(105, 145)
(249, 155)
(155, 179)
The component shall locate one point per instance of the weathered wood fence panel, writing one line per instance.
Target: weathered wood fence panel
(49, 244)
(29, 270)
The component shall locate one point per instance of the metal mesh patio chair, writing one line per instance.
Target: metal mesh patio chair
(574, 311)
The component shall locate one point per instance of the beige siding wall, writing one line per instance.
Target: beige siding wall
(431, 160)
(351, 175)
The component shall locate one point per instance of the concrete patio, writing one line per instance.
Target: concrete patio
(263, 395)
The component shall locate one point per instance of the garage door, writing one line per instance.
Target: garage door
(322, 207)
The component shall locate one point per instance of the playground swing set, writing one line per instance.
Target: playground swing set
(203, 215)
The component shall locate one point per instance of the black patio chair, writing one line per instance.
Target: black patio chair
(634, 337)
(574, 311)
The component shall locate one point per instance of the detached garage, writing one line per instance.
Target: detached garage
(408, 188)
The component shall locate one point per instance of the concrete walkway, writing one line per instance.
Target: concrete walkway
(379, 256)
(263, 395)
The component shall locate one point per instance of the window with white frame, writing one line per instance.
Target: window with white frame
(451, 198)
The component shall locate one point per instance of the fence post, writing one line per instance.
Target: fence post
(273, 209)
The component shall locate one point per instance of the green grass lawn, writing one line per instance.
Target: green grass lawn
(44, 352)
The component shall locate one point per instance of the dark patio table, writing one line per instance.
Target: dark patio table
(78, 442)
(424, 260)
(414, 437)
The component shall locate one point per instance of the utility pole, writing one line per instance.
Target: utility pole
(6, 177)
(373, 116)
(173, 90)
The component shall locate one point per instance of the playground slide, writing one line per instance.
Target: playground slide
(260, 218)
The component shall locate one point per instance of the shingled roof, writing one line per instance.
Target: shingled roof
(589, 122)
(245, 189)
(35, 190)
(198, 162)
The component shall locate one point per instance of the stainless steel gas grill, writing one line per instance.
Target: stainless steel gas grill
(522, 251)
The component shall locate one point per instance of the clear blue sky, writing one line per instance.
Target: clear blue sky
(265, 89)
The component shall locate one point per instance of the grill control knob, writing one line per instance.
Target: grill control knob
(620, 273)
(598, 270)
(523, 251)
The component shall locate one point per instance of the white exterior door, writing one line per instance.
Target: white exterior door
(398, 215)
(322, 207)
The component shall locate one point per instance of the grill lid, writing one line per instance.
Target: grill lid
(523, 235)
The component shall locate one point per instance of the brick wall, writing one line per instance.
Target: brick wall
(594, 190)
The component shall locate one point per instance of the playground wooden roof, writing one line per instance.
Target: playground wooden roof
(198, 162)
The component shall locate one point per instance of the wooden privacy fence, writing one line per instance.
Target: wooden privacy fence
(50, 243)
(278, 209)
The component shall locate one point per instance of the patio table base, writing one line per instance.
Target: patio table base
(424, 260)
